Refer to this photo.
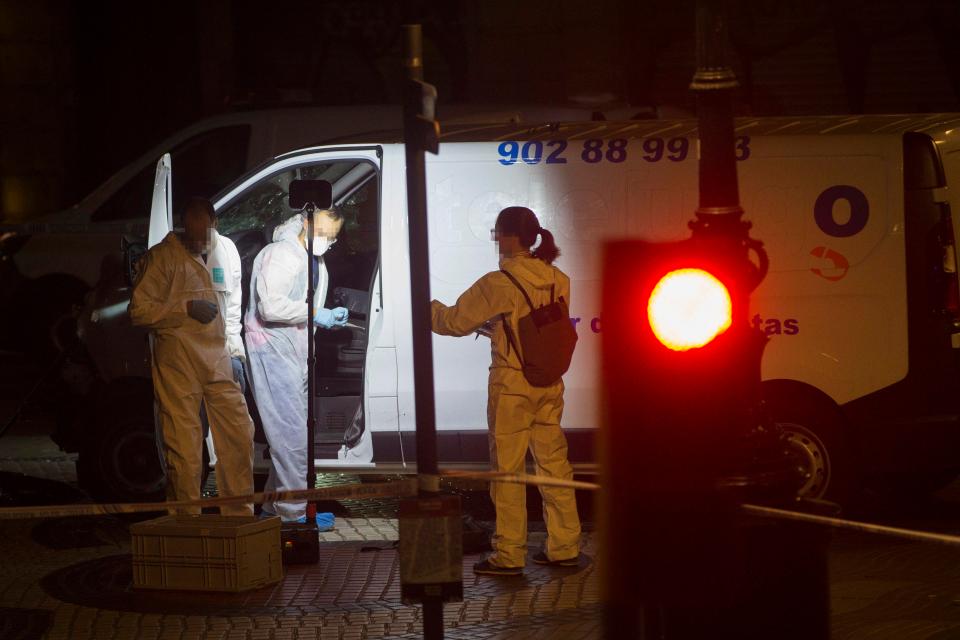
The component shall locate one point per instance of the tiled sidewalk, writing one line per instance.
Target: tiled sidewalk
(85, 592)
(70, 578)
(37, 456)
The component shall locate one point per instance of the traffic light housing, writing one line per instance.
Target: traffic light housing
(681, 359)
(681, 379)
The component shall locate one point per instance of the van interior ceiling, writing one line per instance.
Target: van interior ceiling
(351, 264)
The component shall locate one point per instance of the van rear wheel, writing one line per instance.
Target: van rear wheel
(815, 441)
(120, 460)
(810, 457)
(121, 463)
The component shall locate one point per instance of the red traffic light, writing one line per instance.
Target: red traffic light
(688, 308)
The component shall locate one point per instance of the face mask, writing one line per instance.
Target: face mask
(321, 245)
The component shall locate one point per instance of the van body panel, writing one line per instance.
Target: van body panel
(271, 133)
(808, 304)
(825, 195)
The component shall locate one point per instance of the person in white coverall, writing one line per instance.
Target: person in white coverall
(176, 298)
(226, 272)
(277, 326)
(519, 415)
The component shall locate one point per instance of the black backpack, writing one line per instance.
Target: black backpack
(547, 339)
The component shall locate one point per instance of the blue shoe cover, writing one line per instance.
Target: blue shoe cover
(324, 521)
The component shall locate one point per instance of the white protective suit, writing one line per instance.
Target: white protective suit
(191, 363)
(519, 416)
(226, 273)
(277, 326)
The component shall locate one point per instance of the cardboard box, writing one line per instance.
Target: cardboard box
(206, 553)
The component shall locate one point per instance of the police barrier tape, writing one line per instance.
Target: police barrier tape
(753, 509)
(519, 478)
(853, 525)
(399, 488)
(407, 487)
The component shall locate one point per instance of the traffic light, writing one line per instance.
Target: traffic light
(681, 369)
(683, 441)
(681, 359)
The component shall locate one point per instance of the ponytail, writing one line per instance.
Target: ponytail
(522, 223)
(547, 251)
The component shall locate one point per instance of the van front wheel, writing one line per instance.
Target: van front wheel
(814, 439)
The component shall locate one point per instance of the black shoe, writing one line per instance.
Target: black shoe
(541, 558)
(485, 568)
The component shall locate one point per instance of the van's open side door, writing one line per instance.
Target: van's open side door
(161, 207)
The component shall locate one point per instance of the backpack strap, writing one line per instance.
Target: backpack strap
(518, 286)
(510, 339)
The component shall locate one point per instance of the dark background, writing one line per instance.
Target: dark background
(87, 85)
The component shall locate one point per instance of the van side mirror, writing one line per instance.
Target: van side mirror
(133, 260)
(319, 193)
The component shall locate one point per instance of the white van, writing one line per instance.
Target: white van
(56, 258)
(861, 303)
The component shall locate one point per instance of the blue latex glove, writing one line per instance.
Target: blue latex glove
(329, 318)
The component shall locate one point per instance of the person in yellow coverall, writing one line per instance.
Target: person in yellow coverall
(175, 297)
(520, 416)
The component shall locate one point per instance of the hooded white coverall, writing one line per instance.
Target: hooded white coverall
(277, 326)
(226, 272)
(191, 363)
(519, 415)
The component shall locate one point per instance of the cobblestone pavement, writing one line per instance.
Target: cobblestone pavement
(37, 456)
(887, 588)
(71, 578)
(75, 576)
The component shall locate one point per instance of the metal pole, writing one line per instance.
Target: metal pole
(714, 82)
(311, 514)
(420, 297)
(420, 276)
(777, 584)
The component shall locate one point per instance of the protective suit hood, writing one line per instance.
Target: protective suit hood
(531, 272)
(175, 242)
(289, 230)
(494, 296)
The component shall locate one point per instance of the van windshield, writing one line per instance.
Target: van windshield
(264, 205)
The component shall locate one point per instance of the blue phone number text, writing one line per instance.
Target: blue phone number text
(596, 150)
